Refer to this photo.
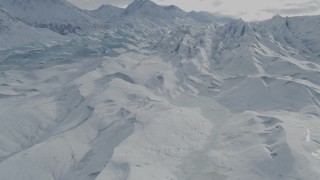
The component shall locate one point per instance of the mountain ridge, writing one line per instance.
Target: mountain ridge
(15, 32)
(166, 98)
(57, 15)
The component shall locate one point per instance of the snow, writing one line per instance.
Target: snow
(130, 109)
(56, 15)
(308, 139)
(185, 101)
(13, 33)
(146, 14)
(107, 12)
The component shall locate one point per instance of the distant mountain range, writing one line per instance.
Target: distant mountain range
(152, 92)
(64, 18)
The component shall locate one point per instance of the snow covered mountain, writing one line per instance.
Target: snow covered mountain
(187, 101)
(13, 33)
(64, 18)
(56, 15)
(147, 14)
(253, 55)
(107, 12)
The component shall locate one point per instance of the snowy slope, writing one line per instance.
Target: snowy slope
(72, 131)
(147, 14)
(191, 101)
(245, 56)
(301, 28)
(107, 12)
(267, 73)
(56, 15)
(13, 33)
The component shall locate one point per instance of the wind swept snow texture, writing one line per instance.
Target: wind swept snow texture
(15, 33)
(56, 15)
(186, 101)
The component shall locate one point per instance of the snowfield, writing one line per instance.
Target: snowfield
(99, 115)
(187, 101)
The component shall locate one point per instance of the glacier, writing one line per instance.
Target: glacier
(153, 92)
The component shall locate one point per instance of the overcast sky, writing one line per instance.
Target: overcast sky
(245, 9)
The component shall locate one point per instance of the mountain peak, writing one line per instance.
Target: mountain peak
(141, 3)
(278, 23)
(237, 28)
(137, 5)
(105, 6)
(106, 11)
(108, 7)
(277, 17)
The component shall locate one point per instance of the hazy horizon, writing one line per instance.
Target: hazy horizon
(249, 10)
